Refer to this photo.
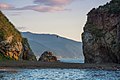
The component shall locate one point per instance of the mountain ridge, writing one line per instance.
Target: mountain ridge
(55, 35)
(56, 44)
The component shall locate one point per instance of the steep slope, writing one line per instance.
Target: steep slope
(11, 41)
(101, 37)
(60, 46)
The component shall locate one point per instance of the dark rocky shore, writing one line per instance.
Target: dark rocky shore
(56, 65)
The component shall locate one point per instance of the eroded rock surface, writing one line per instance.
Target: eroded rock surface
(101, 36)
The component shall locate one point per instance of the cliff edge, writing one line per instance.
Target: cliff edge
(101, 36)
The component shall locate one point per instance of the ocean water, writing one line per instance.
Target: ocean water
(71, 60)
(60, 74)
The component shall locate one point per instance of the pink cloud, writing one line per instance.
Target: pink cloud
(49, 5)
(53, 2)
(48, 9)
(5, 6)
(42, 8)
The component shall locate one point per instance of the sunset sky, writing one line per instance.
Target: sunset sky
(63, 17)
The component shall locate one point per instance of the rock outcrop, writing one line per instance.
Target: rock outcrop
(27, 51)
(12, 45)
(101, 36)
(48, 57)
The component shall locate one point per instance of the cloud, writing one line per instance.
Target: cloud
(48, 5)
(47, 9)
(41, 6)
(53, 2)
(5, 6)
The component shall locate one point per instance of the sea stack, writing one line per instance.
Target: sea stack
(12, 45)
(48, 57)
(101, 36)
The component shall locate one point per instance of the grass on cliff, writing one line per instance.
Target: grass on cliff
(4, 58)
(7, 29)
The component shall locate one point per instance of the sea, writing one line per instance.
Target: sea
(59, 74)
(71, 60)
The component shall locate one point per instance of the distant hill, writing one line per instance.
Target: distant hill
(62, 47)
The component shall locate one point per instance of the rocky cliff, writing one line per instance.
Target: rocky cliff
(101, 36)
(12, 45)
(27, 51)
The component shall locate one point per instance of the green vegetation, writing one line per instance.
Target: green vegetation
(4, 58)
(10, 33)
(7, 29)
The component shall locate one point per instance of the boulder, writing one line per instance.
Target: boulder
(48, 57)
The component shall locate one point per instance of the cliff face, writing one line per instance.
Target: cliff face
(27, 51)
(11, 41)
(101, 36)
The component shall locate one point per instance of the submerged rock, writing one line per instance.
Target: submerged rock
(101, 36)
(12, 45)
(48, 57)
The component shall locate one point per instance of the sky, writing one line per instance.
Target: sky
(62, 17)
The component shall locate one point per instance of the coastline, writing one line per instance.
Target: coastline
(11, 65)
